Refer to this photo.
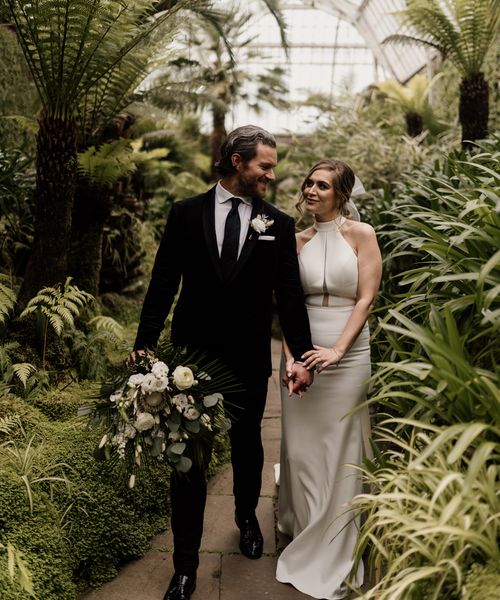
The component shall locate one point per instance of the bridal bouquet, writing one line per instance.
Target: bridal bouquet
(161, 408)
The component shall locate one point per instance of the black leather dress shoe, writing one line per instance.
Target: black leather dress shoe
(251, 540)
(181, 587)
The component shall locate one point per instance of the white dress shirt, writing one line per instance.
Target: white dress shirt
(222, 208)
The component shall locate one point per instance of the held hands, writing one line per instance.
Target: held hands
(297, 378)
(320, 358)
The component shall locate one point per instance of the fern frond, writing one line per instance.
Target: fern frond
(102, 323)
(7, 301)
(23, 372)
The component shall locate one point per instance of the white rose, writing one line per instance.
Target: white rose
(258, 225)
(159, 369)
(191, 413)
(183, 377)
(135, 380)
(144, 421)
(152, 383)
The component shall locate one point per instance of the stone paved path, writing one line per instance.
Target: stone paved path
(224, 574)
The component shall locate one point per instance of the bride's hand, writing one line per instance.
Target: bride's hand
(320, 358)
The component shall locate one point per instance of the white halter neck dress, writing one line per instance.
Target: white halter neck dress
(318, 439)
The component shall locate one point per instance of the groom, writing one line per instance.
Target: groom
(231, 251)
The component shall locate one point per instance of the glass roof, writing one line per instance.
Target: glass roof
(335, 48)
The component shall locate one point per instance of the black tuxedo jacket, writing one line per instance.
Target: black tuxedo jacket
(229, 319)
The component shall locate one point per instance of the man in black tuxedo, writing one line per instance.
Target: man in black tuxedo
(232, 251)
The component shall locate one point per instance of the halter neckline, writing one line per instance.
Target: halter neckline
(333, 225)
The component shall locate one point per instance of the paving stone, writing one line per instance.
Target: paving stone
(222, 483)
(148, 578)
(269, 487)
(220, 532)
(272, 451)
(244, 579)
(271, 428)
(273, 402)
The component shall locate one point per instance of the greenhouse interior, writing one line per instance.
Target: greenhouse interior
(249, 299)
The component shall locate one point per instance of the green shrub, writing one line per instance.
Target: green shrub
(61, 405)
(77, 536)
(39, 536)
(482, 581)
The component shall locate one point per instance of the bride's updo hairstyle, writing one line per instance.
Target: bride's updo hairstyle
(342, 181)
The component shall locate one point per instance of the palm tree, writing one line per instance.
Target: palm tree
(413, 99)
(462, 31)
(71, 47)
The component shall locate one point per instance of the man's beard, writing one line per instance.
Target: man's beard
(250, 187)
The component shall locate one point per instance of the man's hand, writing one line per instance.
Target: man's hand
(133, 358)
(297, 378)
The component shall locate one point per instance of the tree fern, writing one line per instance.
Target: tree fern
(23, 371)
(462, 31)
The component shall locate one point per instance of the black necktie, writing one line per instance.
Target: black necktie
(230, 245)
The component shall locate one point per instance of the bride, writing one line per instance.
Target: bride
(340, 268)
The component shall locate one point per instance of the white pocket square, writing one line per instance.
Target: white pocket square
(267, 238)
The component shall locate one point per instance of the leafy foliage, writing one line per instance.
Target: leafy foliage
(7, 302)
(433, 510)
(110, 162)
(462, 30)
(437, 343)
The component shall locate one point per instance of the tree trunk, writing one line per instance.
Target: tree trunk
(473, 109)
(56, 167)
(91, 210)
(414, 124)
(217, 137)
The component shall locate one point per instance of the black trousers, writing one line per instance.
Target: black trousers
(188, 491)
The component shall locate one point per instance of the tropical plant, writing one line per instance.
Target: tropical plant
(55, 307)
(433, 511)
(22, 377)
(16, 211)
(7, 302)
(436, 342)
(208, 73)
(413, 99)
(463, 31)
(71, 47)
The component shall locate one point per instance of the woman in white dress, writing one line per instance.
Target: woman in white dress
(340, 266)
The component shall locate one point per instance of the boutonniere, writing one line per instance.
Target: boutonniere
(261, 223)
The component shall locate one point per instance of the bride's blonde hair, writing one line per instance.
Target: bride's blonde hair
(342, 182)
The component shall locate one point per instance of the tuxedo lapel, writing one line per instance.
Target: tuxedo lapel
(208, 219)
(250, 240)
